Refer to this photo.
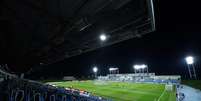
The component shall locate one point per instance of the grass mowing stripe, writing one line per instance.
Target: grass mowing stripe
(152, 91)
(119, 91)
(116, 91)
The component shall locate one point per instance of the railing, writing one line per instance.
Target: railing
(17, 89)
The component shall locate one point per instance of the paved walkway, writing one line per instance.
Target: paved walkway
(191, 94)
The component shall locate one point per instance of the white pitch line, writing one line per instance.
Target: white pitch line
(161, 95)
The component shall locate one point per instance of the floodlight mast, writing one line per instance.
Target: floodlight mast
(140, 68)
(95, 70)
(114, 70)
(189, 60)
(191, 67)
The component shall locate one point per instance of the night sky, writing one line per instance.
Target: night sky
(178, 35)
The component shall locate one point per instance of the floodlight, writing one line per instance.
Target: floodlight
(189, 60)
(143, 66)
(95, 69)
(113, 69)
(103, 37)
(191, 67)
(137, 67)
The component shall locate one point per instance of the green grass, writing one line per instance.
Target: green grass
(193, 83)
(121, 91)
(169, 95)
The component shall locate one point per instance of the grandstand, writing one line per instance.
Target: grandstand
(17, 89)
(142, 77)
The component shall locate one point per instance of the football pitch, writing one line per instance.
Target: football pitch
(122, 91)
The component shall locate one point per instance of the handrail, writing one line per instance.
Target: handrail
(16, 94)
(8, 74)
(36, 95)
(53, 98)
(64, 98)
(11, 95)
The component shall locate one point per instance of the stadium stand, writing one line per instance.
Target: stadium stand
(142, 77)
(13, 88)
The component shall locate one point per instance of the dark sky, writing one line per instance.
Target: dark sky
(178, 34)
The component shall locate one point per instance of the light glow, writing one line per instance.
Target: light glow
(103, 37)
(95, 69)
(143, 66)
(113, 69)
(189, 60)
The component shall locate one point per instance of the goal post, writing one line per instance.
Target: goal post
(169, 87)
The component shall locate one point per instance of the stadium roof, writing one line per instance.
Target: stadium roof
(46, 31)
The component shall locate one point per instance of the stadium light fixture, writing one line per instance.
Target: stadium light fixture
(143, 66)
(113, 69)
(110, 69)
(95, 69)
(191, 67)
(103, 37)
(137, 67)
(189, 60)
